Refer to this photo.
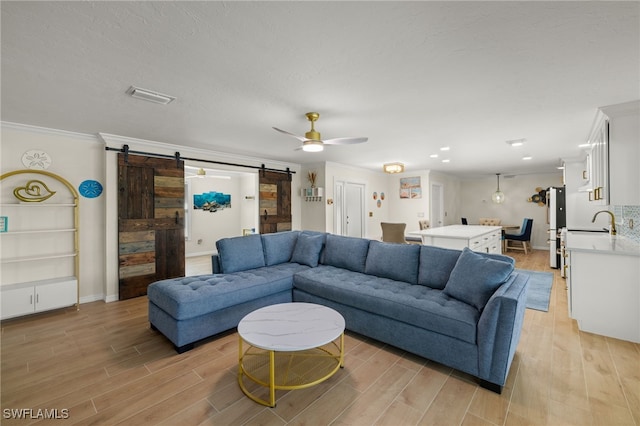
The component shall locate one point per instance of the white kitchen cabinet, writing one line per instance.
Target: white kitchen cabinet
(595, 174)
(28, 298)
(603, 285)
(611, 169)
(624, 153)
(39, 249)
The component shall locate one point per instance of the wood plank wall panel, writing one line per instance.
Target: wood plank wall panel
(275, 202)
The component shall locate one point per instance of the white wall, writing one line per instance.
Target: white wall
(373, 182)
(75, 157)
(476, 202)
(78, 157)
(208, 227)
(313, 213)
(410, 211)
(391, 209)
(111, 269)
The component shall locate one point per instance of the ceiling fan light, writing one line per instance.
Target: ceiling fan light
(312, 146)
(393, 168)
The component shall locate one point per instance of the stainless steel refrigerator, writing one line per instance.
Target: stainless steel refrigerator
(557, 221)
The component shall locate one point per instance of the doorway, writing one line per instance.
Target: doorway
(349, 209)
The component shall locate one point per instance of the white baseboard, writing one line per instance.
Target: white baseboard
(201, 253)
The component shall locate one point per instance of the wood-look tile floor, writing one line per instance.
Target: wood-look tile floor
(102, 365)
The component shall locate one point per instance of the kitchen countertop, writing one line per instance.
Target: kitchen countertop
(601, 243)
(456, 231)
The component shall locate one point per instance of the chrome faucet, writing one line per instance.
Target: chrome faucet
(612, 231)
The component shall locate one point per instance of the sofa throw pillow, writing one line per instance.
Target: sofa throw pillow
(278, 247)
(394, 261)
(476, 277)
(346, 252)
(307, 249)
(240, 253)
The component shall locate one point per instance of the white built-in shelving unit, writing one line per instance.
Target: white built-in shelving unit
(39, 250)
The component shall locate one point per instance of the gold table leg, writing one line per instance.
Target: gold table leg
(271, 383)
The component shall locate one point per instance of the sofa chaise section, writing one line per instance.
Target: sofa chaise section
(257, 273)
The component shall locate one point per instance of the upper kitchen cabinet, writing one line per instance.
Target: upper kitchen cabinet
(595, 172)
(624, 153)
(611, 174)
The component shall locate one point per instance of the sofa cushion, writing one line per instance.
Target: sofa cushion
(436, 264)
(278, 247)
(307, 249)
(394, 261)
(475, 277)
(346, 252)
(240, 253)
(413, 304)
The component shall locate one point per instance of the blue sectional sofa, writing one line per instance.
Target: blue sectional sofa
(460, 308)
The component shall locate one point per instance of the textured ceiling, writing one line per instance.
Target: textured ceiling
(412, 76)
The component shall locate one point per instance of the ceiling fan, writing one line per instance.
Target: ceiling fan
(312, 142)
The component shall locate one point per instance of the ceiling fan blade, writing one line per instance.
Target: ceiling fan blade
(300, 138)
(344, 141)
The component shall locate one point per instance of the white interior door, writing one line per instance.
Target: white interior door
(437, 205)
(355, 209)
(349, 209)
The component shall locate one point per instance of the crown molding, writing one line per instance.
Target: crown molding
(108, 138)
(49, 131)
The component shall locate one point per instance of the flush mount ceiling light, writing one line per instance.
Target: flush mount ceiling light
(498, 196)
(201, 172)
(148, 95)
(516, 142)
(393, 168)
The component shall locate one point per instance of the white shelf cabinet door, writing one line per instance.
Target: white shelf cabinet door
(17, 302)
(56, 295)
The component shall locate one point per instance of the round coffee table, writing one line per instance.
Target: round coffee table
(290, 346)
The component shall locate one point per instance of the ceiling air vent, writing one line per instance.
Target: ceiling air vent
(148, 95)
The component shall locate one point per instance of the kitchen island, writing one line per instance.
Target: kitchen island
(486, 239)
(603, 284)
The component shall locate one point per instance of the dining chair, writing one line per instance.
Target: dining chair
(489, 221)
(524, 237)
(393, 232)
(422, 224)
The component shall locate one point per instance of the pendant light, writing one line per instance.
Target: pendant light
(498, 196)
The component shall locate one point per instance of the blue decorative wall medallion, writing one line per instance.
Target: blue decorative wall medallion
(90, 189)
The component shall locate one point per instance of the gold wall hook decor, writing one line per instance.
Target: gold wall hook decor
(34, 191)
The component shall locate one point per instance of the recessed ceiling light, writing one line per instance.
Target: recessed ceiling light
(445, 148)
(433, 156)
(149, 95)
(527, 157)
(516, 142)
(446, 160)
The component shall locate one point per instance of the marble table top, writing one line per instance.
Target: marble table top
(291, 327)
